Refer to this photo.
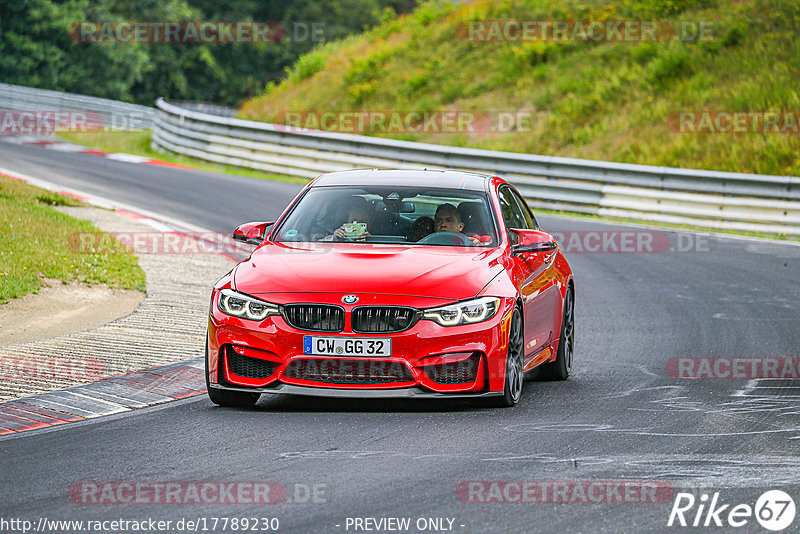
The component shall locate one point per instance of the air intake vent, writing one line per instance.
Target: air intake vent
(463, 372)
(249, 367)
(314, 317)
(377, 319)
(340, 371)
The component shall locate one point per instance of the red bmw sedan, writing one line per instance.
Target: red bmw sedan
(403, 284)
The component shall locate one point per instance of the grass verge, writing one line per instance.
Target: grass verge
(138, 144)
(35, 244)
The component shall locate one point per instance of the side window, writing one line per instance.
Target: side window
(512, 213)
(526, 212)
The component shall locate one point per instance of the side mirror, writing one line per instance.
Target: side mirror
(252, 233)
(532, 241)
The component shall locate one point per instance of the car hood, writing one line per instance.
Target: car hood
(451, 273)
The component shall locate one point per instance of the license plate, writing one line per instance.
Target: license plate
(346, 346)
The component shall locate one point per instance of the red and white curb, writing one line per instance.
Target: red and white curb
(105, 397)
(113, 394)
(63, 146)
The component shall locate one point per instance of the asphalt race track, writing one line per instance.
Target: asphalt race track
(620, 417)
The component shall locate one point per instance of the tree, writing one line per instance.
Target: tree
(39, 46)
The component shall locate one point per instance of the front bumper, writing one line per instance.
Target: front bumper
(419, 352)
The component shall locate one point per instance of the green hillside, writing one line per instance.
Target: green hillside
(600, 100)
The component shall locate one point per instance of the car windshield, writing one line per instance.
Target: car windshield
(365, 214)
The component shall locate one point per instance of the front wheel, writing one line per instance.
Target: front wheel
(221, 397)
(512, 391)
(561, 368)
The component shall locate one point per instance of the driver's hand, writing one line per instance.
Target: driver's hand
(480, 240)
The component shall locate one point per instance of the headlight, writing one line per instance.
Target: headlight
(467, 312)
(240, 305)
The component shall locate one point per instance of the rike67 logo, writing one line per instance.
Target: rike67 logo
(774, 510)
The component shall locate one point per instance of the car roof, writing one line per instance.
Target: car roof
(445, 179)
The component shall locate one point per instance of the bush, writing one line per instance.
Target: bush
(674, 61)
(307, 66)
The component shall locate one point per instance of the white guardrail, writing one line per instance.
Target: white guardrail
(711, 199)
(115, 115)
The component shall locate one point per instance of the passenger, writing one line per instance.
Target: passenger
(359, 214)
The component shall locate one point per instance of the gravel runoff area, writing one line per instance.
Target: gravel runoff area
(168, 326)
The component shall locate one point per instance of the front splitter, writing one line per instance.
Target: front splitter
(399, 393)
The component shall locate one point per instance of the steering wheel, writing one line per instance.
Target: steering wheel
(324, 227)
(446, 238)
(322, 230)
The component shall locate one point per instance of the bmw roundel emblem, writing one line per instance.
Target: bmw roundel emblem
(350, 299)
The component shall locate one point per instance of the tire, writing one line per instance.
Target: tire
(221, 397)
(562, 367)
(512, 390)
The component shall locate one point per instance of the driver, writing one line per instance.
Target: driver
(448, 219)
